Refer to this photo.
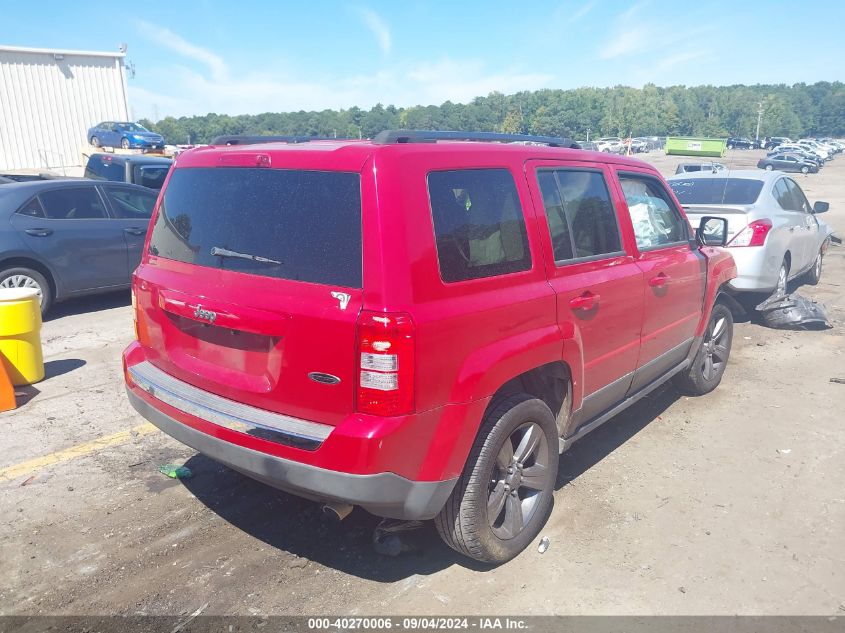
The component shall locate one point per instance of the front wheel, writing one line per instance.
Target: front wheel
(95, 141)
(709, 363)
(805, 170)
(504, 495)
(124, 143)
(769, 167)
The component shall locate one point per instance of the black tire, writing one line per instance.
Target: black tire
(769, 167)
(814, 275)
(463, 522)
(730, 146)
(713, 353)
(805, 170)
(95, 141)
(16, 278)
(124, 143)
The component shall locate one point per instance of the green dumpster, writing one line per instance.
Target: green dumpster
(688, 146)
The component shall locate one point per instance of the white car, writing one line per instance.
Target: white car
(794, 147)
(611, 144)
(814, 147)
(774, 233)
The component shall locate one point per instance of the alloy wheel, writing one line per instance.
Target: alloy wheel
(22, 281)
(518, 478)
(715, 351)
(780, 290)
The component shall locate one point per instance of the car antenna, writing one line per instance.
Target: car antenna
(725, 188)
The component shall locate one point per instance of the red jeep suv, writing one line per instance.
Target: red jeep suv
(421, 323)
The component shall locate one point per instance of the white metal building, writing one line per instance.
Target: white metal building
(48, 100)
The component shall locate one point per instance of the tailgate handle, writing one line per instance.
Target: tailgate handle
(239, 318)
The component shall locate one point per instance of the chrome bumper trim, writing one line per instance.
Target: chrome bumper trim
(229, 414)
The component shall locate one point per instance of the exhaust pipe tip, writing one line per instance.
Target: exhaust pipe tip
(337, 511)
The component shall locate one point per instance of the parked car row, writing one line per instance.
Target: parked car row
(806, 156)
(616, 145)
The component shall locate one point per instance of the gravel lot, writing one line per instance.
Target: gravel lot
(730, 503)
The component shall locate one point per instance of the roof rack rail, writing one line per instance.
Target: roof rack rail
(390, 137)
(246, 139)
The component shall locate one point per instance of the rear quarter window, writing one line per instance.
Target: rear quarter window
(479, 225)
(301, 225)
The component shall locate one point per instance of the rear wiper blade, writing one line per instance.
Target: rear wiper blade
(225, 252)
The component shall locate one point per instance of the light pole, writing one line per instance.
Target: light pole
(759, 119)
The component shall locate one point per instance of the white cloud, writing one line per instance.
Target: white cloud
(213, 87)
(168, 39)
(584, 10)
(378, 26)
(632, 35)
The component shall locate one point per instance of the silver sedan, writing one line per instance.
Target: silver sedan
(774, 234)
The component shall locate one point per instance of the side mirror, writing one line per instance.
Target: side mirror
(820, 207)
(712, 231)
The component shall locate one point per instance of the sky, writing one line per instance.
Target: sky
(277, 56)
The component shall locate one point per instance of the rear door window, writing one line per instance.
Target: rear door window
(657, 223)
(582, 221)
(81, 203)
(289, 224)
(479, 224)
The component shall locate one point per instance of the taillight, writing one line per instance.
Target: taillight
(752, 235)
(385, 363)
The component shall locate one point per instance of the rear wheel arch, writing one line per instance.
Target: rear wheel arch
(551, 383)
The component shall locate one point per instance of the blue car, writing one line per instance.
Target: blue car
(124, 134)
(67, 238)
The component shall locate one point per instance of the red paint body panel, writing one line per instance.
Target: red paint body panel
(470, 337)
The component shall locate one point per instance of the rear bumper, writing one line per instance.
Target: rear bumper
(757, 268)
(382, 494)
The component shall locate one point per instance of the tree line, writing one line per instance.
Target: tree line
(713, 111)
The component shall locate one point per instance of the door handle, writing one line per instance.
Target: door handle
(134, 231)
(39, 232)
(585, 301)
(659, 281)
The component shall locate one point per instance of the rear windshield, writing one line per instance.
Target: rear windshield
(289, 224)
(716, 190)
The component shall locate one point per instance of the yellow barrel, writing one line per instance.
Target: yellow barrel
(20, 335)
